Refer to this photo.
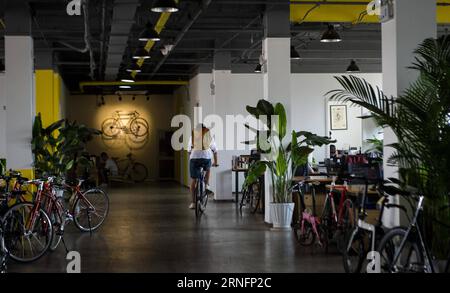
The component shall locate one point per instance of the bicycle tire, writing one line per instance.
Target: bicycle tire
(197, 200)
(306, 237)
(347, 226)
(109, 128)
(255, 200)
(101, 205)
(139, 127)
(139, 173)
(387, 250)
(11, 231)
(355, 252)
(56, 221)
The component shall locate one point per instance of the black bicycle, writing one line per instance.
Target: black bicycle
(201, 196)
(366, 237)
(404, 250)
(251, 197)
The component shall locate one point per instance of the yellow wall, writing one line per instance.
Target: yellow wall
(48, 95)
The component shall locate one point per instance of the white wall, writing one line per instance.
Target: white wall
(2, 117)
(309, 109)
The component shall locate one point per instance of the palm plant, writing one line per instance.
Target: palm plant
(60, 147)
(280, 158)
(420, 118)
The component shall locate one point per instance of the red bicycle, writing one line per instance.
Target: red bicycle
(338, 222)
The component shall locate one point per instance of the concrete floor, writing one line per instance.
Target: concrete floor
(150, 229)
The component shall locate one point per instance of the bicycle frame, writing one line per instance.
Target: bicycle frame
(415, 231)
(337, 216)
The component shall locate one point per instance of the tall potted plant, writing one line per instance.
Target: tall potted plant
(60, 147)
(282, 154)
(420, 119)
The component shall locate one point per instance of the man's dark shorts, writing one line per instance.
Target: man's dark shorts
(196, 164)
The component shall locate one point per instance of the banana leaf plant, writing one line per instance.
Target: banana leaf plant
(420, 119)
(60, 147)
(282, 158)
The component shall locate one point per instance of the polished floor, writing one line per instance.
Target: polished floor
(150, 229)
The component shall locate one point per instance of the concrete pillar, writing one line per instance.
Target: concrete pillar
(19, 86)
(413, 22)
(277, 69)
(221, 90)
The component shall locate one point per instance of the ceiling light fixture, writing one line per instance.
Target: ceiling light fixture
(149, 34)
(134, 67)
(331, 35)
(258, 68)
(125, 87)
(167, 6)
(353, 67)
(141, 53)
(294, 54)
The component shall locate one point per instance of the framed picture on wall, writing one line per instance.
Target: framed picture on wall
(338, 117)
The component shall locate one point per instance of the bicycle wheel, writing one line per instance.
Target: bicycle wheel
(410, 256)
(58, 229)
(90, 210)
(355, 252)
(139, 173)
(197, 201)
(347, 225)
(110, 128)
(139, 127)
(305, 236)
(255, 199)
(24, 245)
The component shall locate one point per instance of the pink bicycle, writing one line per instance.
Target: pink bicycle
(308, 230)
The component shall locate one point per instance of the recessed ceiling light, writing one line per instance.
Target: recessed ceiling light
(331, 35)
(134, 67)
(141, 53)
(149, 34)
(294, 54)
(125, 87)
(167, 6)
(353, 67)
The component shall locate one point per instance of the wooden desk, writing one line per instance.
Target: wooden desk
(236, 172)
(309, 179)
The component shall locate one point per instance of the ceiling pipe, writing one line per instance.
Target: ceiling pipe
(137, 83)
(180, 36)
(87, 39)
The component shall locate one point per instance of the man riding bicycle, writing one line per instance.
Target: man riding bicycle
(202, 149)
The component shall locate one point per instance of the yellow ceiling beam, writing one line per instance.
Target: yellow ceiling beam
(159, 26)
(335, 11)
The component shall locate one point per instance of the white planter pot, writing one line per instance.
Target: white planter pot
(281, 215)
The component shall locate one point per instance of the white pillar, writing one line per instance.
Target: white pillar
(277, 71)
(414, 21)
(19, 92)
(222, 178)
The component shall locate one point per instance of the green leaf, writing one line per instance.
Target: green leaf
(265, 108)
(280, 112)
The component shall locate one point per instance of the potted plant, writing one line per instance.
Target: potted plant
(282, 154)
(420, 119)
(60, 147)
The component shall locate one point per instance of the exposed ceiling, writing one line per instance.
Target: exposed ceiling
(198, 30)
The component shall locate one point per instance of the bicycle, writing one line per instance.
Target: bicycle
(28, 230)
(308, 229)
(129, 169)
(337, 223)
(251, 196)
(136, 126)
(365, 237)
(88, 210)
(3, 251)
(201, 196)
(404, 250)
